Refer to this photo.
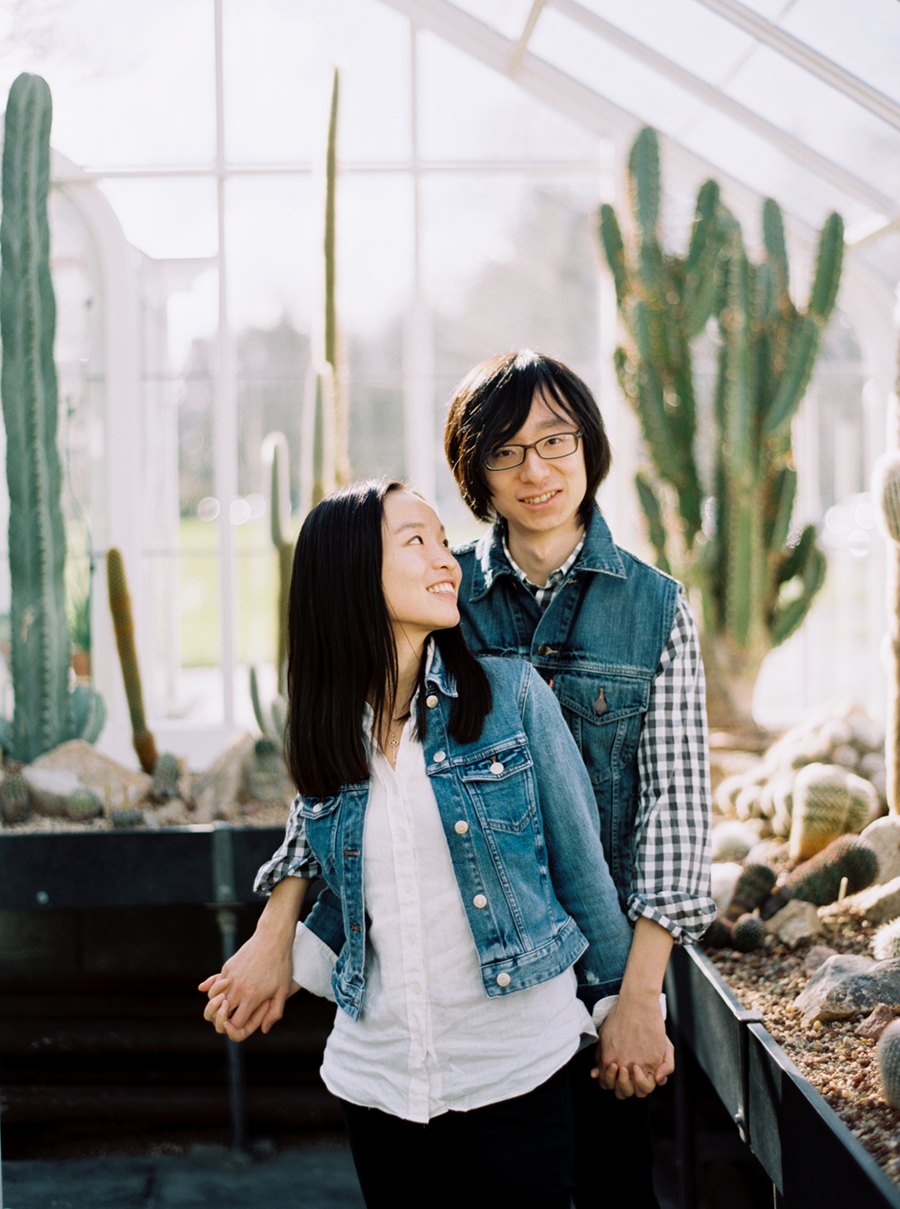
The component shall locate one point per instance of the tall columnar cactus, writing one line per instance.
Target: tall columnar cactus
(886, 489)
(285, 549)
(719, 506)
(123, 624)
(818, 880)
(45, 712)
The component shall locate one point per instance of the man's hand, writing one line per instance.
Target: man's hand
(250, 990)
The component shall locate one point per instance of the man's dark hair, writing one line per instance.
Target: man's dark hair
(492, 403)
(341, 647)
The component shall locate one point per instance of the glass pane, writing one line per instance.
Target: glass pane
(508, 17)
(166, 217)
(867, 45)
(468, 112)
(132, 84)
(279, 61)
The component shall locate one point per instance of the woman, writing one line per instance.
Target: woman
(443, 801)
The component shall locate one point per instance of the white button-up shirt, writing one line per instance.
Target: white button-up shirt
(428, 1039)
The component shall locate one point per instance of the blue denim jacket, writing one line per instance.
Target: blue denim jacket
(598, 644)
(531, 848)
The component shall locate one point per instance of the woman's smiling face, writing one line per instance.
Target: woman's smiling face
(419, 575)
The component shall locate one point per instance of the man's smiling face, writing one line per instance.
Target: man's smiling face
(541, 496)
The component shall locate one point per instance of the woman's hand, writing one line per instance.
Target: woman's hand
(634, 1055)
(250, 990)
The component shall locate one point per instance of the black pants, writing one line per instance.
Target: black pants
(516, 1154)
(613, 1144)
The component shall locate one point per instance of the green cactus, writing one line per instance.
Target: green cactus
(166, 772)
(268, 774)
(718, 934)
(818, 880)
(43, 714)
(15, 803)
(272, 723)
(757, 581)
(886, 941)
(888, 1055)
(828, 801)
(123, 624)
(285, 549)
(748, 933)
(83, 804)
(886, 490)
(752, 888)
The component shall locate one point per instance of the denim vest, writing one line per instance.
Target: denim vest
(517, 812)
(598, 645)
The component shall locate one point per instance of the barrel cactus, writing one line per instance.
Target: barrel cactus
(15, 804)
(748, 933)
(888, 1055)
(44, 712)
(753, 887)
(166, 772)
(886, 941)
(828, 801)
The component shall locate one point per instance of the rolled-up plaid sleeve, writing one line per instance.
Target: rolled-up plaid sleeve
(293, 859)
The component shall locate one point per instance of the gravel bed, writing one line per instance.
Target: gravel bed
(840, 1065)
(252, 814)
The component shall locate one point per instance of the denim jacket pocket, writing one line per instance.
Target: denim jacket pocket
(320, 818)
(500, 782)
(604, 711)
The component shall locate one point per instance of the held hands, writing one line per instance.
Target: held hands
(250, 990)
(634, 1055)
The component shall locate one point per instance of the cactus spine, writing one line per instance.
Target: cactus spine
(757, 581)
(123, 624)
(43, 715)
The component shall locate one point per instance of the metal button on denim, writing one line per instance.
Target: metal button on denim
(496, 768)
(317, 808)
(503, 980)
(431, 701)
(479, 901)
(440, 757)
(461, 827)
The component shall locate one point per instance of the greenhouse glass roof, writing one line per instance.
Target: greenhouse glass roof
(800, 100)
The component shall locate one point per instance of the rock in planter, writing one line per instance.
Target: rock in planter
(53, 777)
(846, 986)
(220, 791)
(877, 904)
(794, 923)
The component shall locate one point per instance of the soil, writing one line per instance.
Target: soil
(839, 1064)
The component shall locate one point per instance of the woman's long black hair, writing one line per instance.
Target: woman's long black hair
(341, 646)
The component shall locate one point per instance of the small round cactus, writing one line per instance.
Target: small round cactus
(888, 1054)
(166, 771)
(15, 804)
(83, 804)
(828, 801)
(717, 935)
(886, 941)
(748, 933)
(751, 889)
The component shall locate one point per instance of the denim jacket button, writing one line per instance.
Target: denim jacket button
(431, 701)
(496, 768)
(503, 980)
(440, 757)
(461, 827)
(317, 808)
(479, 901)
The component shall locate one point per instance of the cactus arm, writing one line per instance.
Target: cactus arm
(783, 492)
(805, 563)
(829, 261)
(776, 251)
(614, 251)
(123, 624)
(256, 701)
(656, 530)
(644, 178)
(699, 292)
(800, 359)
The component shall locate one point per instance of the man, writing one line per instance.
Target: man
(616, 641)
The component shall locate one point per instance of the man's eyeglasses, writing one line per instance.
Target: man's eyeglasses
(558, 445)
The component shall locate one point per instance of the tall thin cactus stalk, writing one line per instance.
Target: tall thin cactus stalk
(886, 490)
(45, 712)
(720, 501)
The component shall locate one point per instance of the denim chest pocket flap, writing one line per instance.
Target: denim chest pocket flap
(602, 697)
(312, 809)
(500, 784)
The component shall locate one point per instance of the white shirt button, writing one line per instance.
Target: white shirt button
(503, 980)
(479, 901)
(440, 757)
(496, 768)
(431, 701)
(461, 827)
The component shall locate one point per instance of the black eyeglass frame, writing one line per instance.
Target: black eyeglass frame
(535, 445)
